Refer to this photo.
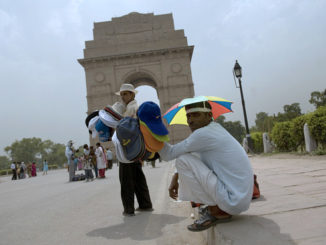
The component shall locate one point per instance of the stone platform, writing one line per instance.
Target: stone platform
(291, 210)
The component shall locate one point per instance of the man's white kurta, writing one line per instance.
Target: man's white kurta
(222, 154)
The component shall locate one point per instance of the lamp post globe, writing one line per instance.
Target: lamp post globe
(237, 72)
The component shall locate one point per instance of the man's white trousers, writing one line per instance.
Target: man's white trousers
(197, 182)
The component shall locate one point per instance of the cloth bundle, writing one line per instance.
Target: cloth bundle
(103, 122)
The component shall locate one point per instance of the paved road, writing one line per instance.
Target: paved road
(50, 210)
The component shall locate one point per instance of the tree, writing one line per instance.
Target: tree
(264, 123)
(4, 162)
(236, 129)
(25, 150)
(318, 98)
(282, 137)
(296, 131)
(317, 125)
(36, 150)
(257, 140)
(56, 155)
(290, 112)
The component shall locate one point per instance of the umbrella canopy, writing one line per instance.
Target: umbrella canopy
(177, 113)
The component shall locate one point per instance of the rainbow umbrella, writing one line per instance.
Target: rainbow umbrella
(177, 113)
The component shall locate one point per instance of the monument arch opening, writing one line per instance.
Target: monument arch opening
(147, 93)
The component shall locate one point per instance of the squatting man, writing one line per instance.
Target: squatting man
(212, 169)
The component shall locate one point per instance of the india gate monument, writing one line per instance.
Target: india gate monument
(141, 49)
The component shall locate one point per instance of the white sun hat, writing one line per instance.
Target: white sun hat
(127, 87)
(111, 115)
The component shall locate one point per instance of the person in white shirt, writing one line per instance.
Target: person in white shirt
(109, 157)
(212, 169)
(100, 160)
(70, 155)
(131, 176)
(14, 171)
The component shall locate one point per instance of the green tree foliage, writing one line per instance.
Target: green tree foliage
(36, 150)
(257, 139)
(55, 154)
(317, 125)
(290, 112)
(264, 123)
(318, 98)
(281, 136)
(236, 129)
(4, 162)
(25, 150)
(296, 131)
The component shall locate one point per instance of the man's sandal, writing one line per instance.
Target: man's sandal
(206, 221)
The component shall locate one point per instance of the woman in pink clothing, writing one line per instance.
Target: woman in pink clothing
(33, 169)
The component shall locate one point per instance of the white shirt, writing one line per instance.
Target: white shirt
(223, 154)
(68, 152)
(87, 161)
(131, 109)
(13, 166)
(109, 155)
(86, 152)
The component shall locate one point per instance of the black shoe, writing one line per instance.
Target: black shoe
(128, 214)
(144, 209)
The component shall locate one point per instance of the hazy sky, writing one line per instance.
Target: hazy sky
(280, 45)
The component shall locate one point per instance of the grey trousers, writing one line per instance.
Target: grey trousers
(71, 169)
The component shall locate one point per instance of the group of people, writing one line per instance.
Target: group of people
(212, 168)
(20, 170)
(98, 160)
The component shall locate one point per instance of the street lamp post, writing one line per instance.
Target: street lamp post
(237, 72)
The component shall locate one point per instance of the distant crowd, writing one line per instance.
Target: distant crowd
(20, 170)
(93, 159)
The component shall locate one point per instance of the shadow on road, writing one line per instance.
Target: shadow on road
(143, 226)
(251, 229)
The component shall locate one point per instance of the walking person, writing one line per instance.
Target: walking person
(22, 170)
(88, 164)
(34, 169)
(93, 160)
(45, 167)
(29, 169)
(109, 157)
(131, 176)
(70, 158)
(14, 171)
(100, 160)
(18, 170)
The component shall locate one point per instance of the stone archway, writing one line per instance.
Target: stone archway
(141, 49)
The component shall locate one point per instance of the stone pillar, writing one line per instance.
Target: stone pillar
(245, 144)
(268, 147)
(309, 140)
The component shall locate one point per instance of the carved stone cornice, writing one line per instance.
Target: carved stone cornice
(98, 95)
(188, 49)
